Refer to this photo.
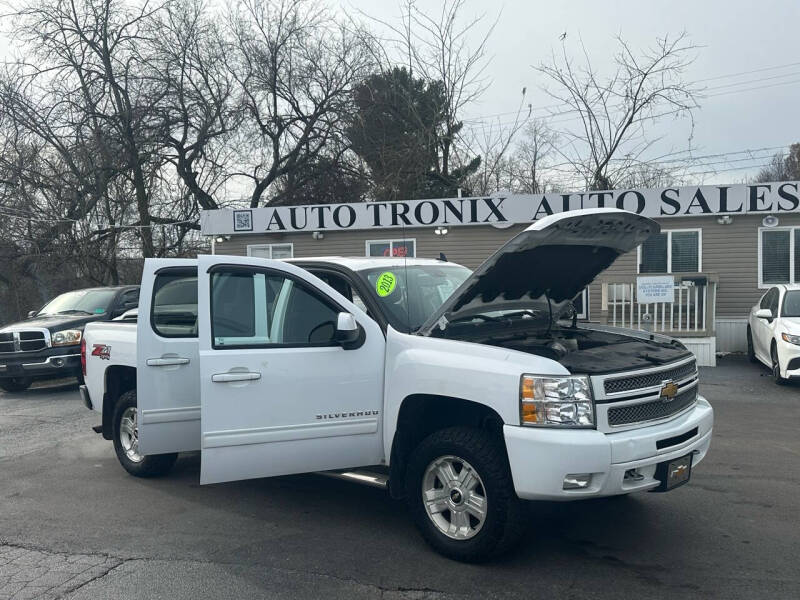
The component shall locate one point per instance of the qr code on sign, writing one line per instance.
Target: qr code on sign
(243, 220)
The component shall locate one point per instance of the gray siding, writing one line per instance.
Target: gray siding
(466, 245)
(729, 251)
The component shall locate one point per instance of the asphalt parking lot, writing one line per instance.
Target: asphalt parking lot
(74, 525)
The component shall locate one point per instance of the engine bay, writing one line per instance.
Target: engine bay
(592, 351)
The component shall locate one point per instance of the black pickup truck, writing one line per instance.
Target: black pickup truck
(47, 344)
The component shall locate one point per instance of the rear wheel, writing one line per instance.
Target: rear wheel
(16, 384)
(126, 442)
(751, 352)
(461, 495)
(776, 367)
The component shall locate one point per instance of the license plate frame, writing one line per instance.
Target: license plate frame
(674, 473)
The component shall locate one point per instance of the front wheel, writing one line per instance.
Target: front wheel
(16, 384)
(461, 495)
(776, 367)
(126, 442)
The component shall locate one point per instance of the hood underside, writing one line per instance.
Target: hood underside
(554, 258)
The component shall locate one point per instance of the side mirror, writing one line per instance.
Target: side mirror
(764, 313)
(348, 333)
(32, 313)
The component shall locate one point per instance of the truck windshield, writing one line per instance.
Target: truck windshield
(791, 304)
(410, 295)
(91, 302)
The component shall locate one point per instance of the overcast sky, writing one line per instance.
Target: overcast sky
(736, 36)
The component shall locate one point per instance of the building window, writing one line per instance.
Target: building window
(778, 260)
(673, 251)
(392, 248)
(274, 251)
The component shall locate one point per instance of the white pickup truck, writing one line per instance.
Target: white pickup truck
(465, 392)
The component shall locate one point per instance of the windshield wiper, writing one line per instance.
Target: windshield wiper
(73, 311)
(471, 317)
(522, 313)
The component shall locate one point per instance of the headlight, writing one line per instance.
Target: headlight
(792, 339)
(556, 401)
(68, 337)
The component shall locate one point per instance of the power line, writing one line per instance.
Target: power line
(761, 70)
(30, 218)
(761, 87)
(530, 109)
(738, 83)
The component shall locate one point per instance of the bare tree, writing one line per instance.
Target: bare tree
(89, 56)
(443, 47)
(198, 109)
(295, 67)
(494, 141)
(529, 162)
(613, 114)
(782, 166)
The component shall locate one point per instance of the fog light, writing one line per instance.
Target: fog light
(578, 481)
(633, 475)
(58, 362)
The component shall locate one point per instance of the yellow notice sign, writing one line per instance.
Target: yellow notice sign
(385, 283)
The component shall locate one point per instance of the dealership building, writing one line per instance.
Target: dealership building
(720, 248)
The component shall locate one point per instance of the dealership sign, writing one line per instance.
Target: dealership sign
(655, 288)
(503, 210)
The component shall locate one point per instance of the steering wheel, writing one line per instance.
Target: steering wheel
(320, 326)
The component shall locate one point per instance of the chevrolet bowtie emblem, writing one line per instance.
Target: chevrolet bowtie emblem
(669, 390)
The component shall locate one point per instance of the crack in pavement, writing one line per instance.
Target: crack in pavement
(31, 572)
(27, 573)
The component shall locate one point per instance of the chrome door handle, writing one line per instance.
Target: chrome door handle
(166, 362)
(241, 376)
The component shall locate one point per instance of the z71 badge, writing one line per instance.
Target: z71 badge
(102, 351)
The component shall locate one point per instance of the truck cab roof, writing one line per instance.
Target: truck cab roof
(362, 263)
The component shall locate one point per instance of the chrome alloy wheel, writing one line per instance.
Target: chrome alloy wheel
(454, 497)
(129, 434)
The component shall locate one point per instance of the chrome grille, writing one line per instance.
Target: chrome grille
(23, 341)
(646, 380)
(6, 342)
(652, 410)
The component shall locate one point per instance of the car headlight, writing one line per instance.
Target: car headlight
(68, 337)
(792, 339)
(556, 401)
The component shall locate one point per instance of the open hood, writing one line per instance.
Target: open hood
(557, 256)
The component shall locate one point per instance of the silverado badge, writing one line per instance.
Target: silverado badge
(669, 390)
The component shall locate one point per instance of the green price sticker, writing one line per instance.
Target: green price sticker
(385, 284)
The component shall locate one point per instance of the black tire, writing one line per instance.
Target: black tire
(147, 466)
(751, 352)
(16, 384)
(502, 525)
(776, 370)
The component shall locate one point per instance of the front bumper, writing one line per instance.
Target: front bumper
(788, 358)
(541, 458)
(49, 363)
